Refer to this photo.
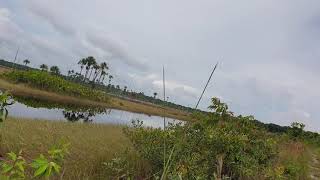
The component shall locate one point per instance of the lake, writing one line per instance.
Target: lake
(35, 109)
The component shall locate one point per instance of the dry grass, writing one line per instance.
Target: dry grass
(91, 144)
(4, 69)
(116, 103)
(295, 156)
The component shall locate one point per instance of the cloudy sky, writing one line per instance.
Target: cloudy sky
(269, 50)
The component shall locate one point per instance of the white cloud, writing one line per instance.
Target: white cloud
(178, 89)
(48, 12)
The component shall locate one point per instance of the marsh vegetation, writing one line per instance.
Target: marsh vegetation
(216, 144)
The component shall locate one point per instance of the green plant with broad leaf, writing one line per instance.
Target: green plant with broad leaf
(45, 167)
(50, 165)
(13, 167)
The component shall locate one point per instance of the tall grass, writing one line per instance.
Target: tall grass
(90, 144)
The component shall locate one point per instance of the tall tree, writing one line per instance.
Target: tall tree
(82, 63)
(101, 71)
(104, 74)
(55, 70)
(26, 62)
(91, 63)
(44, 67)
(155, 95)
(97, 69)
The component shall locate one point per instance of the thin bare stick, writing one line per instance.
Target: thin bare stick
(164, 119)
(214, 69)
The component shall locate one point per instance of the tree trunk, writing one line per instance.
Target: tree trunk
(90, 74)
(81, 71)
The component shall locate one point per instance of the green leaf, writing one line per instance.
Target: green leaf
(39, 162)
(12, 156)
(6, 168)
(20, 166)
(40, 171)
(56, 167)
(49, 170)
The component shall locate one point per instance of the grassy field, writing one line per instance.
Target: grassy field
(116, 103)
(93, 144)
(90, 144)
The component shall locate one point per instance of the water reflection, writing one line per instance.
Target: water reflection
(39, 109)
(84, 116)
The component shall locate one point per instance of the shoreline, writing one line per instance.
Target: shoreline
(115, 103)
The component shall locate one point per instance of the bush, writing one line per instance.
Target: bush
(218, 145)
(46, 81)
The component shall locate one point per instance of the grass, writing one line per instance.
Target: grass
(90, 144)
(116, 103)
(295, 157)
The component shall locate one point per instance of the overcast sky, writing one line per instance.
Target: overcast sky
(269, 50)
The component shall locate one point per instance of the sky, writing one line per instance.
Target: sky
(268, 50)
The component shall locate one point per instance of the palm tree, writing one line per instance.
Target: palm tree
(125, 89)
(43, 67)
(110, 78)
(55, 70)
(82, 63)
(104, 74)
(86, 63)
(26, 62)
(155, 95)
(96, 68)
(91, 63)
(100, 71)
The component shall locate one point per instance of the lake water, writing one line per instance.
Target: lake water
(106, 116)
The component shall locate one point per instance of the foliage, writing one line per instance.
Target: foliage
(224, 145)
(14, 166)
(5, 100)
(26, 62)
(296, 130)
(44, 80)
(55, 70)
(82, 78)
(47, 166)
(14, 65)
(44, 67)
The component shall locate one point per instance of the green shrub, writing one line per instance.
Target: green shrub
(46, 81)
(219, 145)
(14, 166)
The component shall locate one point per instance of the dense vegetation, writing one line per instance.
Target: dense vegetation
(50, 82)
(217, 146)
(96, 75)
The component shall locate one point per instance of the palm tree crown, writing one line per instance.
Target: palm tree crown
(26, 61)
(55, 70)
(44, 67)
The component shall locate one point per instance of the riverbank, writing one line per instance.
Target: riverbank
(114, 102)
(90, 144)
